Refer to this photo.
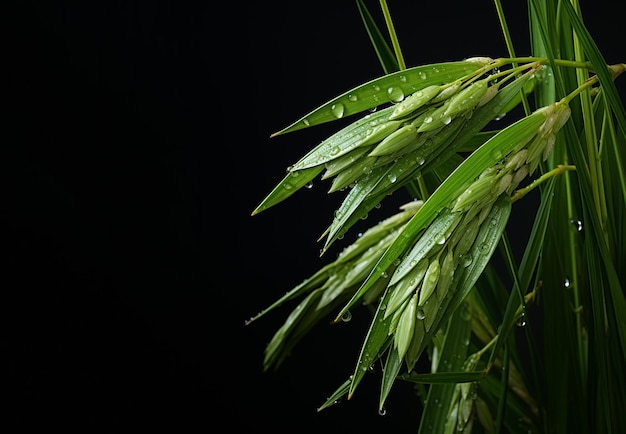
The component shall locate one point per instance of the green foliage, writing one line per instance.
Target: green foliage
(427, 272)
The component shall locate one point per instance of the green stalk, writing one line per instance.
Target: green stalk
(392, 34)
(558, 170)
(511, 50)
(595, 169)
(572, 240)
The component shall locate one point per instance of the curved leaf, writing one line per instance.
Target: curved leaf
(390, 88)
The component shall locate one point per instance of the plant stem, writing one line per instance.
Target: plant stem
(392, 34)
(558, 170)
(572, 256)
(511, 50)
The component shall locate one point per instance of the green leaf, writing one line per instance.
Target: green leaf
(453, 354)
(291, 183)
(385, 54)
(599, 66)
(444, 377)
(391, 88)
(336, 396)
(377, 338)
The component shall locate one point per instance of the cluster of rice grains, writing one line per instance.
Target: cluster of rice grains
(416, 266)
(422, 280)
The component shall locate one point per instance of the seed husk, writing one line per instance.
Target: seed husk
(352, 173)
(447, 91)
(403, 289)
(467, 98)
(430, 281)
(436, 119)
(475, 193)
(380, 132)
(406, 327)
(395, 141)
(344, 162)
(414, 101)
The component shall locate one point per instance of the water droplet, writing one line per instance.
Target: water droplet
(309, 185)
(521, 321)
(578, 225)
(420, 314)
(384, 275)
(420, 160)
(500, 116)
(395, 94)
(353, 98)
(567, 282)
(446, 120)
(306, 122)
(466, 260)
(392, 177)
(422, 75)
(382, 411)
(373, 109)
(428, 119)
(337, 110)
(347, 316)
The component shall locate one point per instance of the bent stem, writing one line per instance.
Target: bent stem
(558, 170)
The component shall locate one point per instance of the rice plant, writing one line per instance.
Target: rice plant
(427, 274)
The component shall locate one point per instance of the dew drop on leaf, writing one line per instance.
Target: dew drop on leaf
(578, 225)
(395, 94)
(347, 316)
(337, 110)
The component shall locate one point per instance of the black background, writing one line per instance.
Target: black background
(138, 144)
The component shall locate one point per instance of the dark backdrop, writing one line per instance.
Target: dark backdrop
(138, 144)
